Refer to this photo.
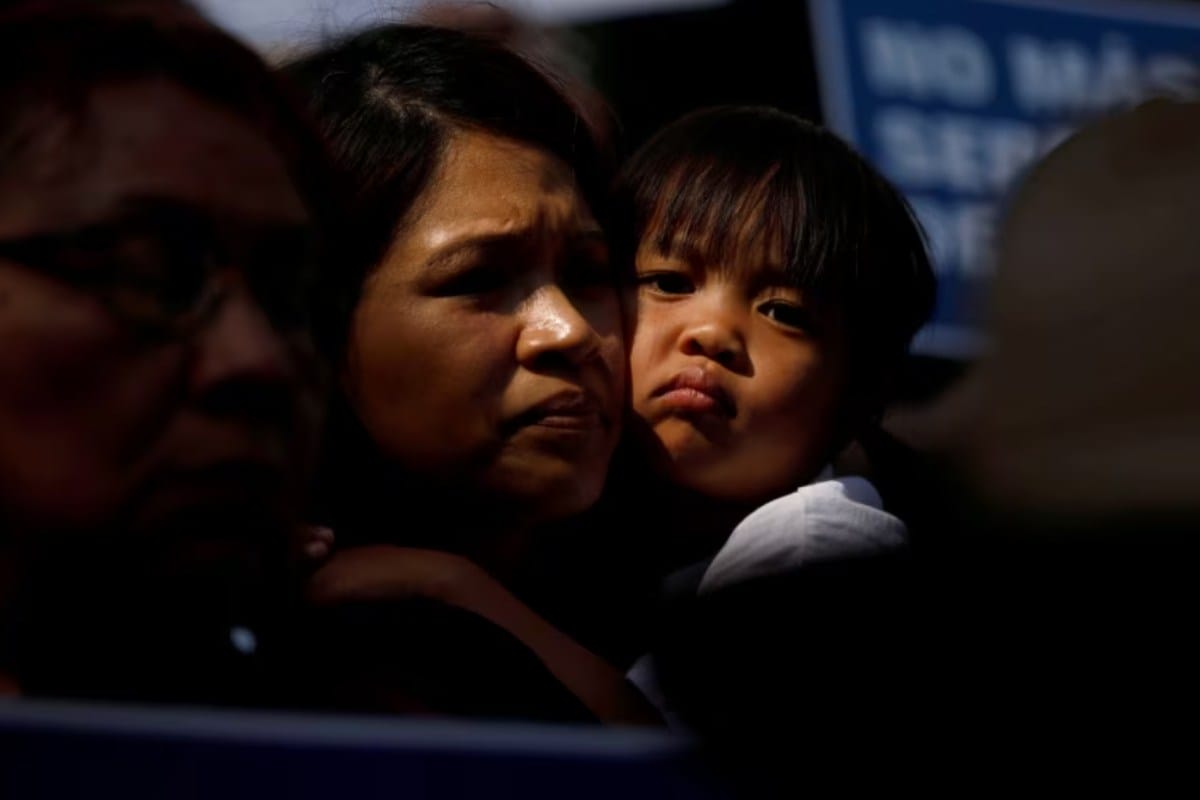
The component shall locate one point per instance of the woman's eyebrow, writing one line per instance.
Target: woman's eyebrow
(146, 208)
(500, 242)
(151, 210)
(509, 241)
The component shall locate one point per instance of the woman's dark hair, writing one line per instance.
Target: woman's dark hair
(57, 53)
(726, 178)
(389, 101)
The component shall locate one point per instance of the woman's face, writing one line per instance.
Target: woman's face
(487, 351)
(103, 425)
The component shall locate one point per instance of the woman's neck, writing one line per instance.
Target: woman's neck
(418, 513)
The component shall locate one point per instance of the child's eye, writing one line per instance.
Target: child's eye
(667, 282)
(787, 314)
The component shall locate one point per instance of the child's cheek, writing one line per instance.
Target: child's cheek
(640, 370)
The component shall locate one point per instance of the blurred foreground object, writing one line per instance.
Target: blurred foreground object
(1089, 403)
(61, 750)
(162, 213)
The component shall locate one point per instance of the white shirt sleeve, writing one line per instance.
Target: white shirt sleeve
(822, 521)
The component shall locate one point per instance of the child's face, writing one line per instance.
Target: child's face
(737, 376)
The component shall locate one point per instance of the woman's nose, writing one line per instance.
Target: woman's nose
(554, 328)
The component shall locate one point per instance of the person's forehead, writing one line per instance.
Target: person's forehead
(488, 177)
(154, 138)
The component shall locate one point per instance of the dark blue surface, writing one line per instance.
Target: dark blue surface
(953, 99)
(53, 750)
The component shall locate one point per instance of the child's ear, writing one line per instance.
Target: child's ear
(860, 418)
(883, 386)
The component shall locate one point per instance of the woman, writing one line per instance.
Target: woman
(483, 371)
(159, 396)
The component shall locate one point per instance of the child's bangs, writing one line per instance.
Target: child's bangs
(724, 215)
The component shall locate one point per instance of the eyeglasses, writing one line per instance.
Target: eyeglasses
(165, 270)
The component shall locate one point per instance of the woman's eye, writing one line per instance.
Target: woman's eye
(160, 271)
(667, 282)
(787, 314)
(478, 280)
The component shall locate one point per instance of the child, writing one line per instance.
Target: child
(780, 279)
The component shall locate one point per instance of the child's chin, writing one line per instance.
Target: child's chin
(685, 440)
(719, 479)
(701, 471)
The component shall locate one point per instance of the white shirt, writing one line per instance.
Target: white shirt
(821, 521)
(829, 519)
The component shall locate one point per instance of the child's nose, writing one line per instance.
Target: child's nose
(718, 338)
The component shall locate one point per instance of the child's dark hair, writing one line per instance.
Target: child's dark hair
(725, 178)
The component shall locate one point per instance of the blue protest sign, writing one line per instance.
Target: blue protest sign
(63, 749)
(954, 99)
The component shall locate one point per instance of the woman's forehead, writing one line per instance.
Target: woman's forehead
(487, 179)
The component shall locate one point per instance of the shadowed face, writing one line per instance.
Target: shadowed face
(155, 371)
(487, 349)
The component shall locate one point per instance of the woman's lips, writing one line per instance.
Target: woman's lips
(566, 411)
(693, 390)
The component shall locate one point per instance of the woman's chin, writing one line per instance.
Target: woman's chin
(549, 492)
